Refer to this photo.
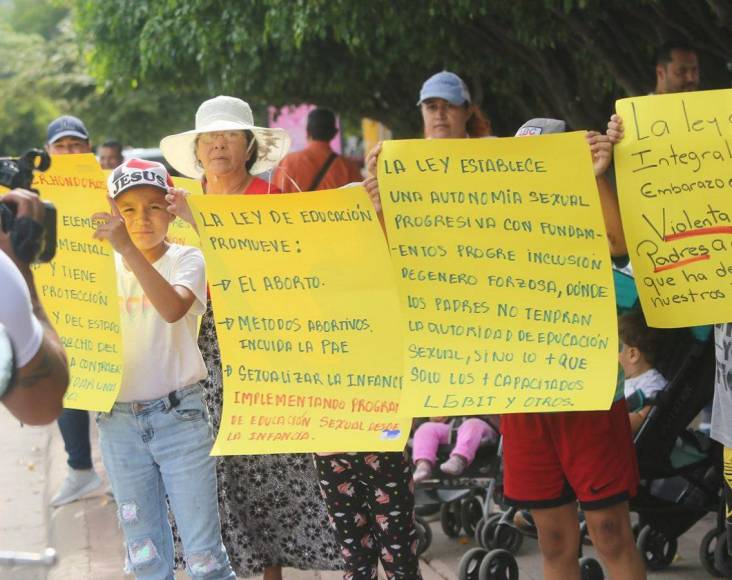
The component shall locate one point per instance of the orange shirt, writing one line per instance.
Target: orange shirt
(303, 166)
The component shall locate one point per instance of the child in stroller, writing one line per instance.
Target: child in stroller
(640, 346)
(462, 499)
(435, 432)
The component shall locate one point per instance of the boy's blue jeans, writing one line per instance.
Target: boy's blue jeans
(156, 448)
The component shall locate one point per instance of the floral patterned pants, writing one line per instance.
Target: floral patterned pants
(370, 501)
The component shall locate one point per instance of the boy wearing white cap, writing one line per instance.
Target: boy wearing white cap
(157, 438)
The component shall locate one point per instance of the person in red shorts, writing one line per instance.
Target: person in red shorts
(554, 460)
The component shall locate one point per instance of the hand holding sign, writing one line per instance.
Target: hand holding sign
(615, 129)
(602, 151)
(112, 228)
(371, 185)
(178, 205)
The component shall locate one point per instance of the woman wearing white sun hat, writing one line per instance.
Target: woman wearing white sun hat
(226, 150)
(272, 514)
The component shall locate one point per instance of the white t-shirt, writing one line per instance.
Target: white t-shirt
(648, 383)
(16, 313)
(159, 357)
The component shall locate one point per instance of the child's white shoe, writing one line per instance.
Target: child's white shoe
(455, 465)
(422, 471)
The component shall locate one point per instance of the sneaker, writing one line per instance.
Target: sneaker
(422, 471)
(455, 465)
(77, 484)
(523, 520)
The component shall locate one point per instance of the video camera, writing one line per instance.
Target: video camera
(31, 241)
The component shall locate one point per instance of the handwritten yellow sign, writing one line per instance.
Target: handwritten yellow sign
(504, 274)
(674, 173)
(78, 288)
(308, 322)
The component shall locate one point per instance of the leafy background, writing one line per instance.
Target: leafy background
(137, 69)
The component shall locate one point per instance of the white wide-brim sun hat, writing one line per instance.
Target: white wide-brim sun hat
(225, 114)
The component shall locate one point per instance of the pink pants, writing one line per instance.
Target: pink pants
(430, 435)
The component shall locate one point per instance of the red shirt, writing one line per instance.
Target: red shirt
(302, 167)
(259, 186)
(256, 186)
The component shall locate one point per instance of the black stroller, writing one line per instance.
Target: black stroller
(467, 501)
(679, 468)
(680, 476)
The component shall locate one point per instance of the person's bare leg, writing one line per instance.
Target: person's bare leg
(612, 537)
(273, 573)
(558, 530)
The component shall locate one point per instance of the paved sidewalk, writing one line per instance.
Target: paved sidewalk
(84, 533)
(89, 542)
(22, 487)
(445, 553)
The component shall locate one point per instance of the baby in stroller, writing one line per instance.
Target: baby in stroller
(435, 432)
(640, 348)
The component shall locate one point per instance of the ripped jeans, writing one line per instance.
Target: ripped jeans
(156, 448)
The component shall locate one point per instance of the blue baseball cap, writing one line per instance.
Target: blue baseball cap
(66, 126)
(445, 85)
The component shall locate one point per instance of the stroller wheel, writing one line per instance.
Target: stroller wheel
(706, 552)
(471, 512)
(498, 565)
(479, 531)
(424, 535)
(656, 549)
(450, 519)
(488, 531)
(722, 559)
(590, 569)
(506, 537)
(470, 564)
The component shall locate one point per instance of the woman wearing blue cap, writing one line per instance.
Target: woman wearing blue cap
(447, 111)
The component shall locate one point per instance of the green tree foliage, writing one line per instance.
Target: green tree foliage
(45, 71)
(24, 109)
(37, 16)
(137, 113)
(524, 58)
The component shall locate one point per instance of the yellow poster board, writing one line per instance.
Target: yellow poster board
(674, 174)
(504, 273)
(78, 288)
(308, 322)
